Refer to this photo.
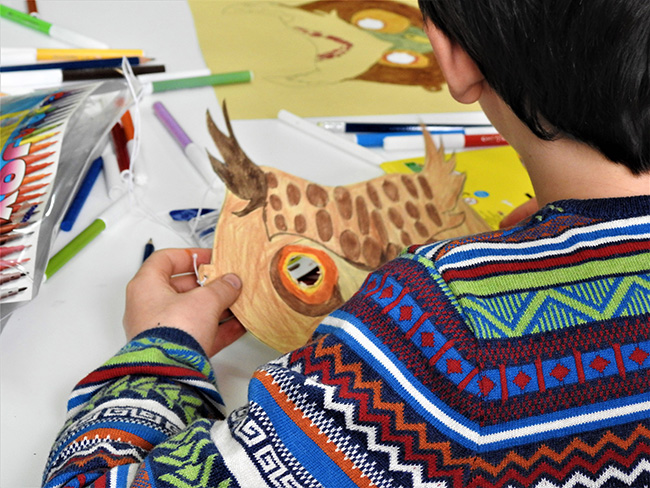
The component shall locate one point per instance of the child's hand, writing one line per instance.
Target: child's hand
(156, 297)
(520, 213)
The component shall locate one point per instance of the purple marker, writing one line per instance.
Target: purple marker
(194, 153)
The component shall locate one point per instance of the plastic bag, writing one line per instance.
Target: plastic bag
(49, 138)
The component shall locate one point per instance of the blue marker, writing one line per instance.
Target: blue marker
(81, 196)
(376, 139)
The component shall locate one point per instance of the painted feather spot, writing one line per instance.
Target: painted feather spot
(410, 186)
(324, 225)
(363, 219)
(317, 195)
(343, 202)
(424, 184)
(373, 195)
(293, 194)
(350, 245)
(391, 190)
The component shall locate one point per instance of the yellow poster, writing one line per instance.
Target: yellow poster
(322, 58)
(496, 181)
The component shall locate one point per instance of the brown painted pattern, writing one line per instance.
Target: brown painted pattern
(365, 223)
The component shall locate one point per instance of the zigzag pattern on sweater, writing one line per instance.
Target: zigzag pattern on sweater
(390, 428)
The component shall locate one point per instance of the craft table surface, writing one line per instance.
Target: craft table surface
(75, 322)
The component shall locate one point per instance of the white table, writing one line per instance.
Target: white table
(74, 323)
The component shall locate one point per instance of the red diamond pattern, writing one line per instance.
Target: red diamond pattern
(639, 356)
(387, 292)
(521, 380)
(405, 313)
(485, 384)
(559, 372)
(427, 339)
(599, 364)
(454, 366)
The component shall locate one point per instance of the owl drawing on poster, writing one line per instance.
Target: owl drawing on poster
(329, 41)
(303, 249)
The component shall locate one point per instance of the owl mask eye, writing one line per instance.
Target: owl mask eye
(306, 279)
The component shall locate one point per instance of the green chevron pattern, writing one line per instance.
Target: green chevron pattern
(188, 459)
(519, 314)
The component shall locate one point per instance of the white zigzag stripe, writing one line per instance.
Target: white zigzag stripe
(95, 445)
(472, 435)
(416, 471)
(543, 243)
(336, 433)
(580, 480)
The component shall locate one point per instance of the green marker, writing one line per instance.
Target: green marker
(51, 30)
(178, 83)
(107, 218)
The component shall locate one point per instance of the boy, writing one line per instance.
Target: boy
(514, 358)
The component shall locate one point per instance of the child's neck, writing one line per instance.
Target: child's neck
(566, 169)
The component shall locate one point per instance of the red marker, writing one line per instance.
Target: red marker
(449, 141)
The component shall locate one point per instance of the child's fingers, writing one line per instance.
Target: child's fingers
(184, 283)
(169, 262)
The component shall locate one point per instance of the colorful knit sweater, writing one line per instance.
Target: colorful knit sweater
(518, 358)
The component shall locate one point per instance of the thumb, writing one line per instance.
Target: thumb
(225, 288)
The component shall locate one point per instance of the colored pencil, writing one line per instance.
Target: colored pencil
(82, 194)
(75, 64)
(26, 198)
(7, 250)
(148, 250)
(50, 77)
(6, 228)
(12, 236)
(11, 263)
(11, 293)
(7, 277)
(33, 168)
(54, 31)
(32, 178)
(340, 127)
(28, 55)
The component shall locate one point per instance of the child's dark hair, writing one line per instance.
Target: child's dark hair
(575, 67)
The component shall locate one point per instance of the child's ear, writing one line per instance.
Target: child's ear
(464, 78)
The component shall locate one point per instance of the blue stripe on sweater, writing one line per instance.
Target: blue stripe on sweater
(307, 452)
(482, 248)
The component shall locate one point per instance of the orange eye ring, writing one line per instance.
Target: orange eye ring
(317, 290)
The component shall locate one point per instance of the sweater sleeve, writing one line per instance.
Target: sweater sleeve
(153, 389)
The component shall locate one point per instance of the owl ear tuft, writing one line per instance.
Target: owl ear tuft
(240, 175)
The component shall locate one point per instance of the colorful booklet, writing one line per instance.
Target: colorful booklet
(496, 181)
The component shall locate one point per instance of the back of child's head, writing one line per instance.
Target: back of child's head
(579, 68)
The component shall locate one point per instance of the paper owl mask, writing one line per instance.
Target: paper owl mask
(302, 249)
